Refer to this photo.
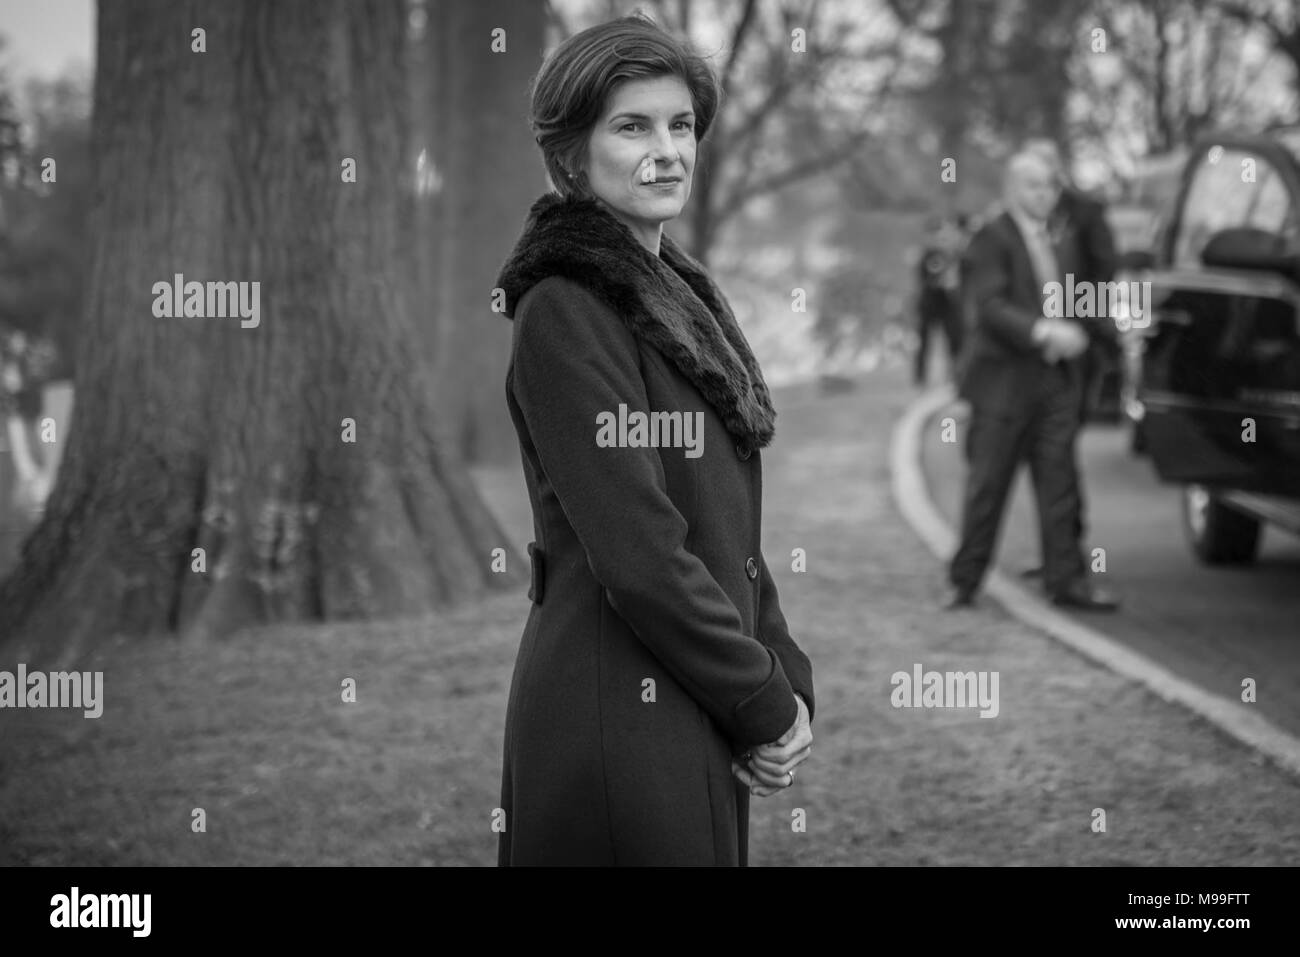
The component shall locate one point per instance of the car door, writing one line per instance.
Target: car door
(1220, 390)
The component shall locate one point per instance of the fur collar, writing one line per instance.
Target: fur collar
(667, 301)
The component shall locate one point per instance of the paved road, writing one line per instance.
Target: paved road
(1214, 626)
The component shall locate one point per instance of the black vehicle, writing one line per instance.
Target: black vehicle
(1219, 392)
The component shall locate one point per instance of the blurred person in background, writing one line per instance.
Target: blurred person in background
(1081, 220)
(1022, 380)
(938, 304)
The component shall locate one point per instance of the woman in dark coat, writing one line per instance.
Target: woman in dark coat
(657, 685)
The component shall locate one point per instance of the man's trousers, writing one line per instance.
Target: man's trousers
(1040, 430)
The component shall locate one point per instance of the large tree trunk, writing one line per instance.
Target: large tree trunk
(953, 102)
(491, 172)
(200, 433)
(703, 215)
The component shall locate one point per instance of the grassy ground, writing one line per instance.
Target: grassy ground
(253, 729)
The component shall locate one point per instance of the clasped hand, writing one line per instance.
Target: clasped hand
(770, 767)
(1061, 339)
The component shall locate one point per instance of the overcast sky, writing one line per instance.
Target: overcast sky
(44, 36)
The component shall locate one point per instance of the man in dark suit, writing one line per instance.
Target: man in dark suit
(1078, 213)
(1022, 380)
(1081, 220)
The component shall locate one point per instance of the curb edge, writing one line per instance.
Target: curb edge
(911, 495)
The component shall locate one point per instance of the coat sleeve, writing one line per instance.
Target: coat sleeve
(1102, 262)
(775, 633)
(574, 359)
(1101, 244)
(990, 289)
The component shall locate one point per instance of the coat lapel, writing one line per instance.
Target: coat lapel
(1025, 276)
(667, 301)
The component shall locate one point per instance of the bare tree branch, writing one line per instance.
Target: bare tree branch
(1287, 40)
(791, 174)
(738, 35)
(909, 12)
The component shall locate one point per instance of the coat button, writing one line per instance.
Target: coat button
(743, 452)
(751, 568)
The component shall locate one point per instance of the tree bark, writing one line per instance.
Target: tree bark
(225, 165)
(491, 172)
(703, 224)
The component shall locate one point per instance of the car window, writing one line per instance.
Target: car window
(1271, 209)
(1218, 199)
(1157, 189)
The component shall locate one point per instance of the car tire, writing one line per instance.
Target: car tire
(1218, 533)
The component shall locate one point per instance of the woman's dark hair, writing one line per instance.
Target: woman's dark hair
(573, 88)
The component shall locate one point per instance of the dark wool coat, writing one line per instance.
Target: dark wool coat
(647, 566)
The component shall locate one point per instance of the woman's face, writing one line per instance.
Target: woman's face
(642, 152)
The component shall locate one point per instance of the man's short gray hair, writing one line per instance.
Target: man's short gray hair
(1049, 151)
(1024, 160)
